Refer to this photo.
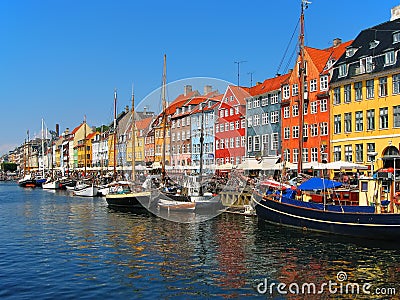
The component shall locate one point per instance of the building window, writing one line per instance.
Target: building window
(305, 130)
(324, 128)
(314, 154)
(313, 107)
(305, 108)
(366, 65)
(383, 118)
(274, 98)
(286, 155)
(286, 112)
(237, 142)
(336, 96)
(313, 85)
(237, 124)
(314, 129)
(295, 110)
(396, 84)
(265, 118)
(358, 90)
(337, 124)
(295, 89)
(274, 141)
(232, 126)
(265, 144)
(396, 37)
(286, 92)
(256, 120)
(232, 143)
(370, 89)
(337, 153)
(342, 70)
(249, 121)
(371, 119)
(243, 123)
(295, 155)
(275, 116)
(264, 101)
(323, 83)
(348, 153)
(389, 58)
(347, 122)
(396, 116)
(359, 152)
(295, 132)
(242, 141)
(256, 103)
(383, 91)
(286, 133)
(249, 102)
(323, 105)
(249, 144)
(347, 93)
(359, 121)
(370, 149)
(305, 155)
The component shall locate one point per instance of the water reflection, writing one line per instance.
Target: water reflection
(83, 248)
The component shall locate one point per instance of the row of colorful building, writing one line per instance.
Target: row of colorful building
(351, 112)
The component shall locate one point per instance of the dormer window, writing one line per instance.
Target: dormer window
(396, 37)
(373, 44)
(351, 51)
(342, 70)
(389, 58)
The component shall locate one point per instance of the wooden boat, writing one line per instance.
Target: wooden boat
(176, 205)
(51, 184)
(85, 190)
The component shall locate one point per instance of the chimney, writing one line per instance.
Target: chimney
(58, 129)
(207, 89)
(258, 82)
(337, 42)
(145, 110)
(66, 132)
(127, 109)
(395, 13)
(187, 89)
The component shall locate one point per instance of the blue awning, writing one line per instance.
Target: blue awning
(317, 183)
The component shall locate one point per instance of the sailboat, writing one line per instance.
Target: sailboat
(85, 189)
(120, 195)
(28, 180)
(285, 207)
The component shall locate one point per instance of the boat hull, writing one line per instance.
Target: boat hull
(365, 225)
(129, 201)
(176, 205)
(89, 191)
(52, 185)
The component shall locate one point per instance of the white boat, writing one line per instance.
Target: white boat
(86, 190)
(51, 184)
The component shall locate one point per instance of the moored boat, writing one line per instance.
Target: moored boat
(85, 190)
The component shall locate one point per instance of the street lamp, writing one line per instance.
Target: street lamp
(372, 155)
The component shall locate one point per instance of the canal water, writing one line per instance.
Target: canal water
(54, 246)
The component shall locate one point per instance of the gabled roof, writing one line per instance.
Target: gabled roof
(91, 135)
(143, 124)
(268, 85)
(76, 129)
(240, 93)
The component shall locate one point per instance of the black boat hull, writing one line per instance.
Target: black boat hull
(366, 225)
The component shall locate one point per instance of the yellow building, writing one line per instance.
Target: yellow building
(365, 97)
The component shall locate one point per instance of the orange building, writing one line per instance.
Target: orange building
(318, 66)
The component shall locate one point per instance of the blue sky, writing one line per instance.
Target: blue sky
(61, 60)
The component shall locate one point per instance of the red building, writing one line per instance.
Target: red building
(230, 128)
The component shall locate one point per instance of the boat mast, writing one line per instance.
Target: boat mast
(42, 149)
(84, 142)
(133, 138)
(302, 78)
(115, 135)
(201, 148)
(164, 116)
(29, 153)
